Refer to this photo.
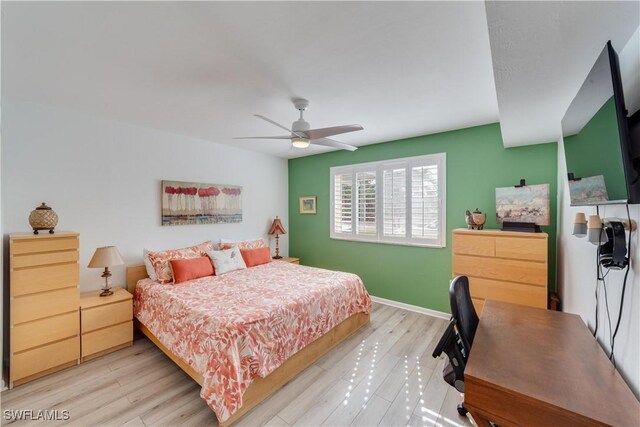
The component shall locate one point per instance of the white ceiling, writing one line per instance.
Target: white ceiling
(202, 69)
(399, 69)
(542, 52)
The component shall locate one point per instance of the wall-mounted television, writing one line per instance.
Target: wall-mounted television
(603, 160)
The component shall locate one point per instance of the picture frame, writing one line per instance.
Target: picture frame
(308, 205)
(199, 203)
(527, 204)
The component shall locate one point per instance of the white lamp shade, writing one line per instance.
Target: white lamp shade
(106, 257)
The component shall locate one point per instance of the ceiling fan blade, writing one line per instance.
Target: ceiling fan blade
(335, 144)
(279, 125)
(264, 137)
(335, 130)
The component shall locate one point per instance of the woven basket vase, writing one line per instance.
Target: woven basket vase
(43, 218)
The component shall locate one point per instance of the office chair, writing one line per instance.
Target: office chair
(458, 337)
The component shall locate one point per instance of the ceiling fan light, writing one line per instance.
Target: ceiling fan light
(300, 142)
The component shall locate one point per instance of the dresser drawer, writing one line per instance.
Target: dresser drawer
(47, 258)
(106, 315)
(516, 293)
(532, 249)
(45, 304)
(43, 244)
(466, 244)
(42, 358)
(104, 339)
(38, 279)
(43, 331)
(533, 273)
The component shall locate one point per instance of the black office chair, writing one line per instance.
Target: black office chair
(458, 337)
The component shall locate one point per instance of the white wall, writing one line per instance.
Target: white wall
(577, 281)
(576, 257)
(103, 180)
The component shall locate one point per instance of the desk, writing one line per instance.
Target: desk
(529, 366)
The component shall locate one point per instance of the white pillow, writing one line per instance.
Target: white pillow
(227, 260)
(151, 272)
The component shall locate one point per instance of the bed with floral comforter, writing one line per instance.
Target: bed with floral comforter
(246, 323)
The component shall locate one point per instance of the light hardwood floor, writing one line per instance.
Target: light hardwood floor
(382, 375)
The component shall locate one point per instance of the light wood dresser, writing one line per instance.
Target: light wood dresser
(44, 299)
(107, 322)
(502, 265)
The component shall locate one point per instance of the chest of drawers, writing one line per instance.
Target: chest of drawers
(502, 265)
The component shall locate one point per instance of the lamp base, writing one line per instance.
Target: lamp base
(106, 292)
(277, 257)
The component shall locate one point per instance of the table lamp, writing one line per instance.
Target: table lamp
(277, 229)
(106, 257)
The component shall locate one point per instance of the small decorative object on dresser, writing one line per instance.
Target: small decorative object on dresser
(308, 205)
(43, 218)
(106, 257)
(277, 229)
(106, 322)
(475, 220)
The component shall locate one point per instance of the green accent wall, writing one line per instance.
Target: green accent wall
(595, 150)
(477, 163)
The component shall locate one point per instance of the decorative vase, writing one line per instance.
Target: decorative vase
(43, 218)
(475, 220)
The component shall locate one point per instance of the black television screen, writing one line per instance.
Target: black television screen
(598, 149)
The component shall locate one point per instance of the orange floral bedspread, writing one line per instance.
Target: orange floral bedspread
(246, 323)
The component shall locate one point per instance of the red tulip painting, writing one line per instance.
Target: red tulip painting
(192, 203)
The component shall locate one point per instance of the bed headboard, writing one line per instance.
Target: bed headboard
(135, 273)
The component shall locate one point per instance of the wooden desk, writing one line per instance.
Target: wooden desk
(535, 367)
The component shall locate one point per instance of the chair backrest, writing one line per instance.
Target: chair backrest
(462, 311)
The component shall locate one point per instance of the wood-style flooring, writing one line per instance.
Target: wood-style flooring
(382, 375)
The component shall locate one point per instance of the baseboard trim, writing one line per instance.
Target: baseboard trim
(415, 308)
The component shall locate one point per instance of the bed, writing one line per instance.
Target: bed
(246, 333)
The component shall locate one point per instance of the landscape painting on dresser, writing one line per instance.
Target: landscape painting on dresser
(193, 203)
(530, 203)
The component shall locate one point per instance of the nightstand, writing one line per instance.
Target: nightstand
(290, 260)
(106, 323)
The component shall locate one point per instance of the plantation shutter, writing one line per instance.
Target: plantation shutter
(394, 202)
(366, 202)
(343, 209)
(397, 201)
(425, 203)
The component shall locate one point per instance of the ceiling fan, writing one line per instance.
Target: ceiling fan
(301, 134)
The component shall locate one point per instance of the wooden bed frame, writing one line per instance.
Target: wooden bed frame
(260, 388)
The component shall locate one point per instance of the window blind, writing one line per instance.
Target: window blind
(395, 202)
(366, 199)
(398, 201)
(424, 202)
(343, 206)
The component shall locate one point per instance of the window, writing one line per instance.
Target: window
(393, 201)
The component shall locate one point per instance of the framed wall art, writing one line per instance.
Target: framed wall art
(528, 203)
(197, 203)
(308, 205)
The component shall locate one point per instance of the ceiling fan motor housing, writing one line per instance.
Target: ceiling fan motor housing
(300, 125)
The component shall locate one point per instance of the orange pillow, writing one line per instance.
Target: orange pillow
(257, 256)
(192, 268)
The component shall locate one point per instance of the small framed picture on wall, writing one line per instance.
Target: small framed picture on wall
(308, 205)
